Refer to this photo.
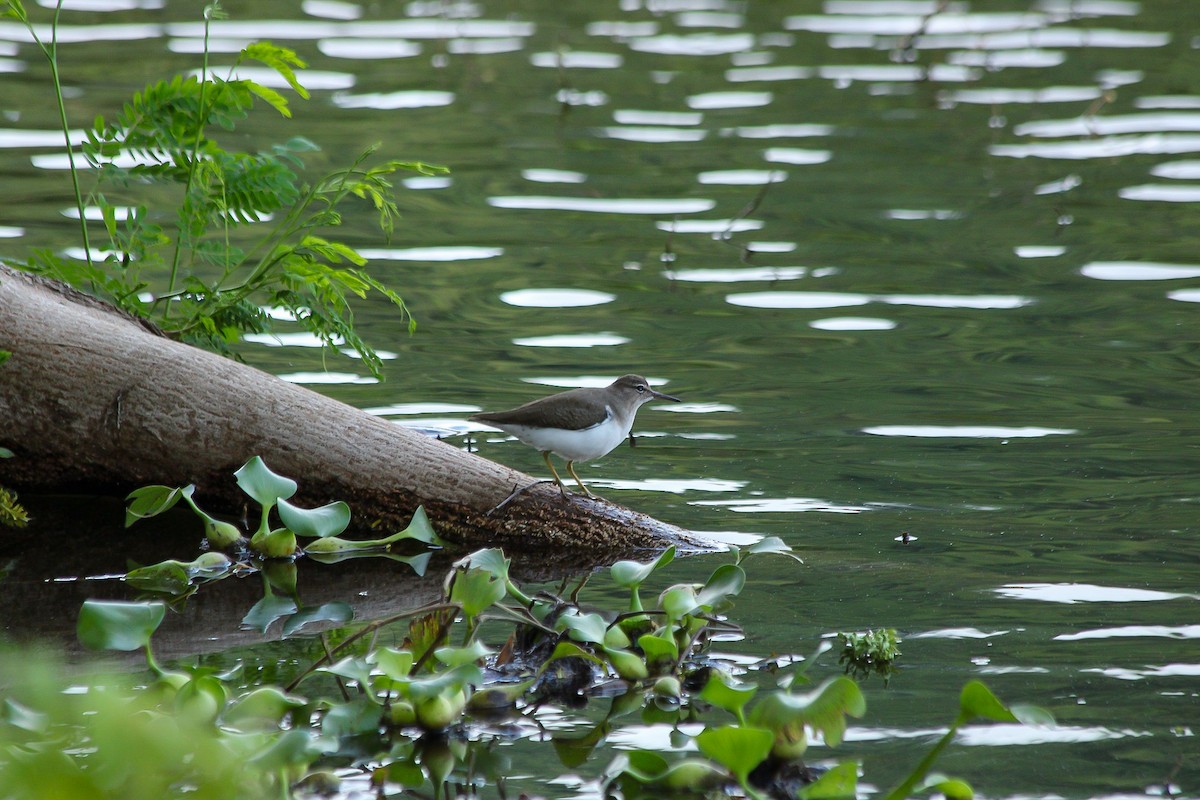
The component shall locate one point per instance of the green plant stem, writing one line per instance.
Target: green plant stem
(201, 117)
(51, 54)
(905, 789)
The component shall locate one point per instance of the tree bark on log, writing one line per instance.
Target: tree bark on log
(93, 400)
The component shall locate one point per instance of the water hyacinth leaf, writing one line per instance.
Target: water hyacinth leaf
(256, 480)
(565, 649)
(771, 544)
(737, 748)
(659, 650)
(628, 665)
(118, 625)
(150, 501)
(632, 574)
(977, 700)
(724, 691)
(452, 680)
(726, 582)
(315, 523)
(679, 601)
(279, 543)
(475, 590)
(454, 656)
(396, 664)
(6, 453)
(837, 783)
(950, 788)
(353, 668)
(168, 577)
(1032, 715)
(336, 612)
(419, 528)
(266, 611)
(209, 566)
(824, 709)
(490, 559)
(266, 704)
(588, 628)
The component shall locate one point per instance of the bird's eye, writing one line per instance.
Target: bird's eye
(641, 388)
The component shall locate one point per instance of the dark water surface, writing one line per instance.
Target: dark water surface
(945, 286)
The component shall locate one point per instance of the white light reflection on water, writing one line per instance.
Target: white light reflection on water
(573, 340)
(1138, 271)
(575, 59)
(1104, 147)
(1127, 631)
(1107, 125)
(956, 633)
(452, 253)
(552, 176)
(604, 205)
(1185, 295)
(966, 431)
(853, 324)
(328, 378)
(1005, 734)
(416, 98)
(668, 486)
(1162, 193)
(709, 225)
(556, 298)
(717, 100)
(741, 177)
(788, 505)
(1071, 593)
(695, 44)
(410, 409)
(1164, 671)
(362, 48)
(1039, 251)
(652, 134)
(736, 275)
(841, 299)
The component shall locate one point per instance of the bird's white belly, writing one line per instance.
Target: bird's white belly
(581, 445)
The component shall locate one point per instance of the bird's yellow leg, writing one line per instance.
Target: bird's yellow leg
(571, 469)
(554, 472)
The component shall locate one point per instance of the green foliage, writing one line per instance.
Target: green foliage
(420, 712)
(12, 513)
(875, 651)
(246, 233)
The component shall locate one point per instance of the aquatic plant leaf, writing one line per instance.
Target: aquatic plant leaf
(476, 590)
(631, 574)
(738, 748)
(396, 664)
(118, 625)
(336, 612)
(837, 783)
(266, 611)
(824, 709)
(679, 601)
(583, 627)
(265, 705)
(771, 544)
(150, 501)
(724, 691)
(421, 529)
(950, 788)
(266, 487)
(725, 582)
(315, 523)
(977, 700)
(453, 656)
(168, 577)
(659, 650)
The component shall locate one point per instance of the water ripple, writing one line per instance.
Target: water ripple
(604, 205)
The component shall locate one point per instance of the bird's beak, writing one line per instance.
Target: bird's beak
(662, 396)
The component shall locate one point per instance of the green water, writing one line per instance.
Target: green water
(946, 317)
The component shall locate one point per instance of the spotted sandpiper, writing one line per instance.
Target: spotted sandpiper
(577, 425)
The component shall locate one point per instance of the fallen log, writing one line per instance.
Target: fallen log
(93, 400)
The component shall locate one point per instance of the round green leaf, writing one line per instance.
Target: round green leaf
(328, 520)
(262, 484)
(737, 748)
(117, 625)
